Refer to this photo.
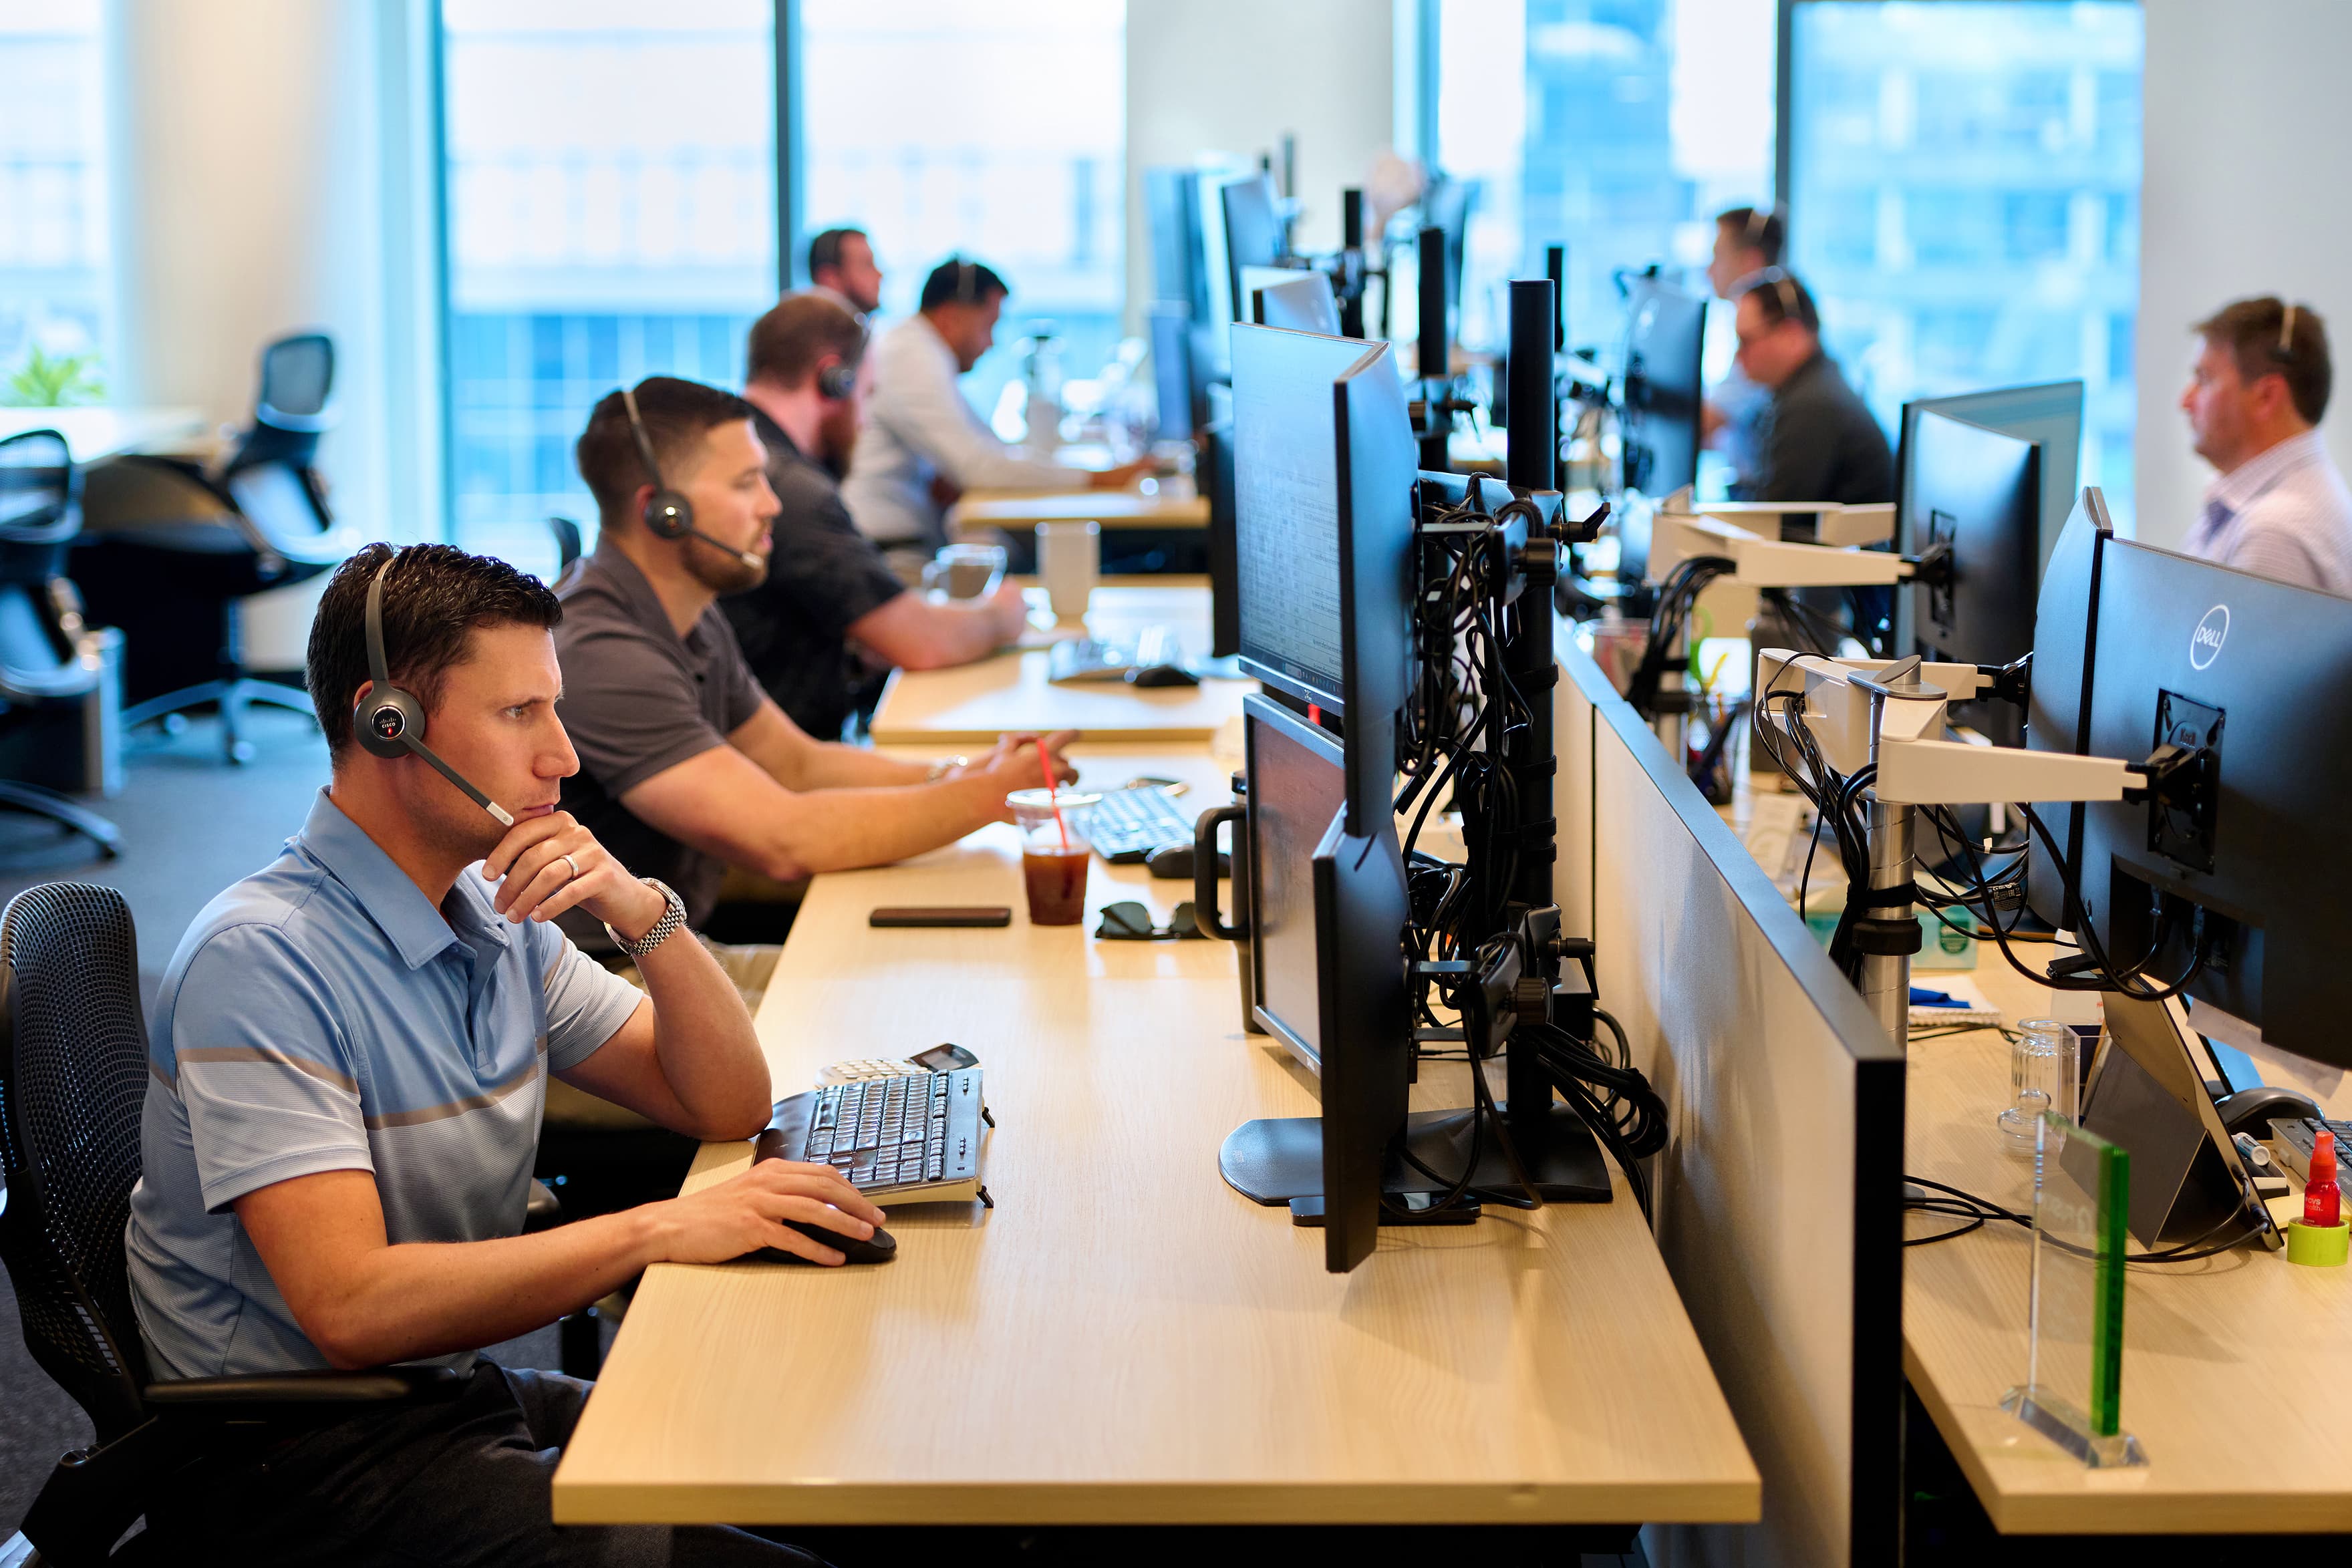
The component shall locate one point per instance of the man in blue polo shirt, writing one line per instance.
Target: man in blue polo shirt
(348, 1058)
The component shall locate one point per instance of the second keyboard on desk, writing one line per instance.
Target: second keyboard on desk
(1127, 824)
(915, 1139)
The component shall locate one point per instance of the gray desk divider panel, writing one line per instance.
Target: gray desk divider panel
(1779, 1195)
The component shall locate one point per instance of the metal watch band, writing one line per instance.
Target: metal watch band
(943, 767)
(659, 932)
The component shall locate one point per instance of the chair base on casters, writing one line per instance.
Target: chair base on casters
(40, 802)
(233, 696)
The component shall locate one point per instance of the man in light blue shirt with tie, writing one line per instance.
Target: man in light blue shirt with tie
(2278, 508)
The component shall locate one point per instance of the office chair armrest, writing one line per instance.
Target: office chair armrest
(542, 1210)
(68, 681)
(285, 1394)
(93, 1494)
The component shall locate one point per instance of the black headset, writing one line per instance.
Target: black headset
(967, 282)
(838, 382)
(390, 722)
(668, 515)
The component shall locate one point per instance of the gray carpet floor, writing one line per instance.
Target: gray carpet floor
(191, 825)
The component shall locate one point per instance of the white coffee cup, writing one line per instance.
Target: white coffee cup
(1069, 560)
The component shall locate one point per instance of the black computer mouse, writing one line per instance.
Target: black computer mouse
(879, 1248)
(1173, 862)
(2252, 1109)
(1161, 676)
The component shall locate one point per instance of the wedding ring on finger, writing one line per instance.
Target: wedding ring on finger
(574, 864)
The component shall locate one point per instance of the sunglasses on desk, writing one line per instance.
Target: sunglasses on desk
(1131, 922)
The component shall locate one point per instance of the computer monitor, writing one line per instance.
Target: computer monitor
(1977, 493)
(1287, 505)
(1365, 1023)
(1445, 205)
(1301, 301)
(1297, 789)
(1253, 223)
(2050, 415)
(1182, 390)
(2058, 703)
(1665, 331)
(1213, 471)
(2252, 679)
(1374, 460)
(1179, 258)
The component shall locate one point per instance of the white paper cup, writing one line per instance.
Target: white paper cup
(1069, 559)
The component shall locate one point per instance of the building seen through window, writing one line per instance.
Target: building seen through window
(1003, 140)
(54, 278)
(1966, 182)
(611, 192)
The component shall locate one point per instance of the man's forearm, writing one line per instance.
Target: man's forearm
(709, 1053)
(417, 1300)
(842, 829)
(832, 765)
(951, 635)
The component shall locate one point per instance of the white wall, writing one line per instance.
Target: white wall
(1231, 76)
(2245, 113)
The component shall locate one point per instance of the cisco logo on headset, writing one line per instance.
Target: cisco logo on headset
(2205, 642)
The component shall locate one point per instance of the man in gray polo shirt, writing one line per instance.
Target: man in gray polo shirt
(687, 765)
(350, 1053)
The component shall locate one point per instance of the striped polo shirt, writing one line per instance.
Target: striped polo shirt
(322, 1015)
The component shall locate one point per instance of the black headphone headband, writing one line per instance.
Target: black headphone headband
(2285, 350)
(390, 722)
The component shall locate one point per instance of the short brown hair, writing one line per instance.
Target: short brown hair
(677, 415)
(1760, 229)
(1780, 297)
(2265, 342)
(432, 600)
(803, 328)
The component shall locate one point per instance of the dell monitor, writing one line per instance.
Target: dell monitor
(1213, 469)
(1172, 205)
(1287, 505)
(1665, 331)
(1297, 790)
(1253, 233)
(2249, 680)
(1365, 1021)
(1301, 301)
(1976, 495)
(2058, 704)
(2050, 415)
(1182, 391)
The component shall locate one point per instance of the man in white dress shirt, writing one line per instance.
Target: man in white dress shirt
(922, 444)
(2278, 507)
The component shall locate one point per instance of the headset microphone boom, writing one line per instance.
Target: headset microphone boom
(668, 515)
(389, 721)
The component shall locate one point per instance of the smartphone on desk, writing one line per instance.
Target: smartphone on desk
(943, 914)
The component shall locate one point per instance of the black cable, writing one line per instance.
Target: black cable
(2182, 1252)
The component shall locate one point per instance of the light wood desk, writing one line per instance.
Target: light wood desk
(1176, 505)
(93, 432)
(1124, 1339)
(972, 705)
(2214, 1351)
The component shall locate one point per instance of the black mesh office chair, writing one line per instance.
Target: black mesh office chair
(168, 549)
(73, 1076)
(40, 613)
(567, 542)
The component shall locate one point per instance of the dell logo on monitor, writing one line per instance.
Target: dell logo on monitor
(2205, 642)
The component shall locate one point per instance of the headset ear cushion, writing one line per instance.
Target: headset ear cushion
(668, 515)
(386, 719)
(837, 381)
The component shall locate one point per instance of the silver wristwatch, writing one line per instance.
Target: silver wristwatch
(945, 765)
(671, 919)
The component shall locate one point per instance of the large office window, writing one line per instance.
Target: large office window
(53, 239)
(1965, 200)
(1617, 128)
(995, 132)
(611, 197)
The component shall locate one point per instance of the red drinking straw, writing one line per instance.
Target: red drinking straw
(1051, 803)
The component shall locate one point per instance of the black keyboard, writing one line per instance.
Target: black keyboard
(2293, 1137)
(1128, 824)
(915, 1137)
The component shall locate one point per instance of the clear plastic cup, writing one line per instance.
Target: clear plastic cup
(1055, 849)
(2043, 1061)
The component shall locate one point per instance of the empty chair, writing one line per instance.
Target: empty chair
(42, 662)
(168, 549)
